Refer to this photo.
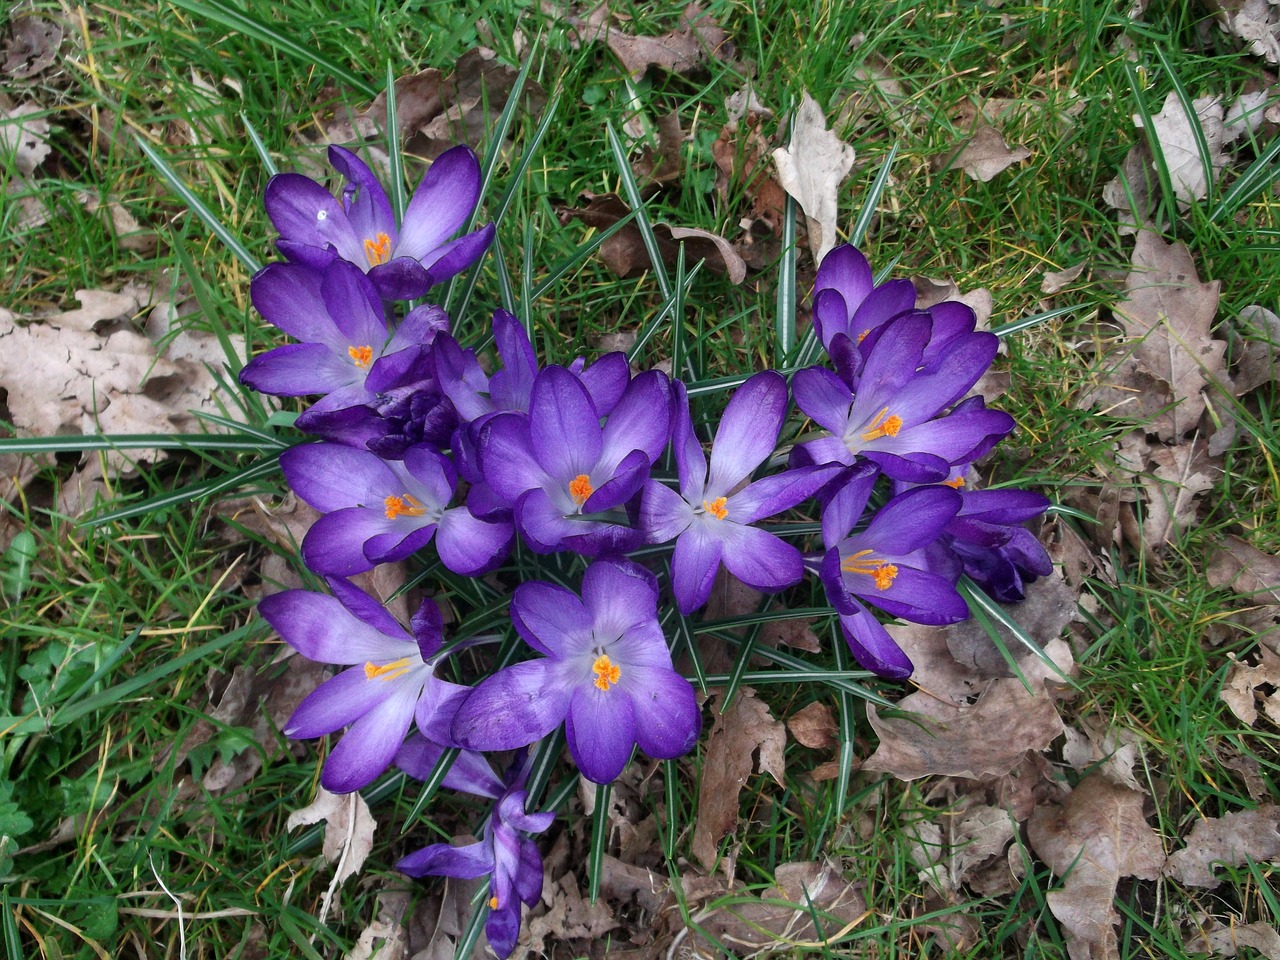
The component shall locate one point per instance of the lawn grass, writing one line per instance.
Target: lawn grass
(125, 633)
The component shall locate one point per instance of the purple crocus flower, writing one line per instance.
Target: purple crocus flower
(557, 463)
(347, 352)
(403, 262)
(887, 565)
(379, 511)
(895, 418)
(605, 672)
(392, 681)
(846, 300)
(505, 851)
(710, 518)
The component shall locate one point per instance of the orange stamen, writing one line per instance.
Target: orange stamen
(716, 508)
(863, 335)
(955, 484)
(386, 671)
(580, 488)
(883, 426)
(379, 250)
(882, 572)
(406, 506)
(606, 671)
(493, 903)
(361, 356)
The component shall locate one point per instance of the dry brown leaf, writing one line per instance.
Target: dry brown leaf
(387, 937)
(986, 154)
(811, 168)
(1258, 359)
(759, 926)
(814, 726)
(978, 835)
(348, 832)
(1226, 941)
(31, 47)
(1229, 840)
(1049, 607)
(569, 916)
(1097, 836)
(682, 50)
(1242, 567)
(664, 164)
(745, 729)
(1242, 692)
(1172, 128)
(1172, 478)
(1111, 752)
(1055, 280)
(1256, 22)
(24, 134)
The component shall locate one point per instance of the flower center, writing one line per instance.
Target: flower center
(361, 356)
(405, 506)
(580, 488)
(386, 671)
(863, 335)
(493, 903)
(606, 671)
(716, 507)
(884, 425)
(378, 250)
(955, 483)
(881, 571)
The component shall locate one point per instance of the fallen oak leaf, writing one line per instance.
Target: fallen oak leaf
(1229, 840)
(1243, 568)
(986, 154)
(683, 50)
(814, 726)
(348, 835)
(1242, 689)
(811, 168)
(1179, 145)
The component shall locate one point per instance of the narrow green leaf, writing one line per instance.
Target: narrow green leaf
(429, 787)
(1257, 177)
(1026, 323)
(599, 837)
(1168, 200)
(204, 298)
(264, 155)
(632, 192)
(844, 756)
(230, 443)
(579, 255)
(785, 309)
(1193, 121)
(745, 649)
(9, 925)
(479, 914)
(395, 155)
(988, 612)
(206, 488)
(670, 828)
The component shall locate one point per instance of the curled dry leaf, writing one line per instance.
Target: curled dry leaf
(683, 50)
(1055, 280)
(1255, 22)
(348, 832)
(1243, 690)
(664, 164)
(24, 134)
(1130, 190)
(986, 154)
(1229, 840)
(387, 937)
(814, 726)
(1226, 941)
(31, 47)
(1173, 131)
(1111, 752)
(1257, 330)
(1097, 836)
(1242, 567)
(811, 168)
(745, 730)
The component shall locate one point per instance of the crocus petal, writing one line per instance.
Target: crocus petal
(782, 491)
(470, 546)
(332, 476)
(354, 304)
(366, 609)
(664, 514)
(601, 732)
(337, 702)
(830, 316)
(305, 212)
(322, 629)
(892, 363)
(506, 456)
(824, 398)
(334, 544)
(1003, 506)
(441, 860)
(691, 462)
(952, 438)
(512, 386)
(748, 431)
(881, 305)
(667, 718)
(455, 256)
(399, 540)
(543, 524)
(298, 370)
(606, 380)
(640, 421)
(845, 269)
(288, 297)
(400, 279)
(694, 563)
(629, 476)
(469, 773)
(909, 467)
(367, 207)
(551, 619)
(758, 558)
(516, 706)
(619, 595)
(421, 325)
(919, 596)
(844, 502)
(910, 521)
(564, 428)
(872, 646)
(441, 203)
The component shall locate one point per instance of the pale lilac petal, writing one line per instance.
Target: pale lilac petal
(694, 563)
(822, 451)
(322, 629)
(441, 860)
(666, 711)
(601, 731)
(952, 438)
(470, 546)
(469, 773)
(748, 431)
(441, 203)
(367, 207)
(872, 646)
(299, 370)
(691, 462)
(916, 595)
(619, 596)
(516, 706)
(772, 495)
(433, 473)
(564, 428)
(367, 749)
(335, 703)
(551, 619)
(640, 421)
(421, 325)
(758, 558)
(664, 514)
(606, 380)
(543, 524)
(824, 398)
(331, 476)
(306, 213)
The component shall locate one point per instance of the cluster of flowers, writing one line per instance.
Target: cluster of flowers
(420, 446)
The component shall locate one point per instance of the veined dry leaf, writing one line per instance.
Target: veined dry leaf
(569, 916)
(1055, 280)
(1230, 840)
(664, 164)
(814, 726)
(745, 729)
(25, 135)
(682, 50)
(1171, 478)
(1172, 128)
(31, 47)
(1242, 689)
(1111, 752)
(1256, 22)
(1097, 836)
(1131, 189)
(1248, 571)
(986, 154)
(1259, 360)
(348, 832)
(1226, 941)
(386, 938)
(811, 168)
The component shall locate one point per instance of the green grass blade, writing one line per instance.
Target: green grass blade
(196, 205)
(230, 443)
(9, 926)
(195, 491)
(579, 256)
(993, 613)
(1168, 200)
(599, 838)
(429, 787)
(1193, 121)
(243, 23)
(631, 190)
(259, 145)
(844, 756)
(235, 363)
(785, 310)
(1256, 178)
(872, 200)
(670, 829)
(1026, 323)
(395, 155)
(479, 914)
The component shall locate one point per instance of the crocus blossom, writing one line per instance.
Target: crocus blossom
(558, 464)
(402, 261)
(392, 680)
(505, 851)
(888, 566)
(846, 300)
(379, 511)
(710, 519)
(605, 672)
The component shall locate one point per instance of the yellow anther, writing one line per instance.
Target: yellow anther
(863, 335)
(955, 484)
(580, 488)
(361, 356)
(493, 903)
(862, 562)
(379, 250)
(606, 671)
(716, 508)
(386, 671)
(406, 506)
(883, 426)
